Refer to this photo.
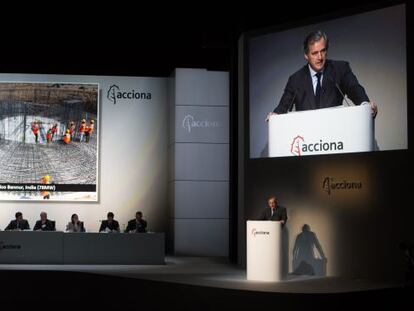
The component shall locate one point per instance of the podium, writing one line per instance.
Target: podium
(264, 250)
(321, 131)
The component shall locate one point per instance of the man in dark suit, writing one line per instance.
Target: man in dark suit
(137, 225)
(274, 212)
(44, 224)
(19, 223)
(109, 225)
(321, 83)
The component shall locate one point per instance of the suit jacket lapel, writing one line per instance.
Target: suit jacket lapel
(328, 86)
(308, 87)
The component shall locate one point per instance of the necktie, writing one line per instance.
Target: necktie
(318, 90)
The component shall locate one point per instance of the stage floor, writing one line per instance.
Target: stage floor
(217, 273)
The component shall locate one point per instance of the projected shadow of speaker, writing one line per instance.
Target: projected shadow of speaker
(308, 256)
(315, 267)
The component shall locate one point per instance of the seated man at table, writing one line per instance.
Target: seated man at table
(137, 225)
(19, 223)
(44, 224)
(75, 225)
(109, 225)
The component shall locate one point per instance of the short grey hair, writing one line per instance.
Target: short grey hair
(315, 37)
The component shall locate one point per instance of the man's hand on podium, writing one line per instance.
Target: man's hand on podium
(374, 109)
(269, 115)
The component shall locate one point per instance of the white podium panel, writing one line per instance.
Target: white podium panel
(264, 250)
(322, 131)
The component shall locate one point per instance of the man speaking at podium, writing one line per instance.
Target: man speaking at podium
(322, 82)
(274, 211)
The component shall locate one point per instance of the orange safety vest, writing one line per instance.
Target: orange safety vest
(35, 129)
(66, 138)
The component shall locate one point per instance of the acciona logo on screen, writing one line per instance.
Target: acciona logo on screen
(300, 147)
(115, 94)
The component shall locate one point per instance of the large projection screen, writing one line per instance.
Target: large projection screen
(373, 43)
(49, 141)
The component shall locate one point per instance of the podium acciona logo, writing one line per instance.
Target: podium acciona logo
(115, 94)
(255, 232)
(299, 147)
(295, 146)
(329, 185)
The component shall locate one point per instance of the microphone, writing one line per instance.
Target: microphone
(343, 96)
(291, 103)
(340, 91)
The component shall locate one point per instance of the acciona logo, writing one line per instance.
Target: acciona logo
(330, 184)
(299, 147)
(255, 232)
(9, 246)
(189, 122)
(115, 94)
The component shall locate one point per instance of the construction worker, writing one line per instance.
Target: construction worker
(82, 130)
(35, 130)
(49, 135)
(45, 194)
(54, 131)
(67, 137)
(72, 129)
(90, 129)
